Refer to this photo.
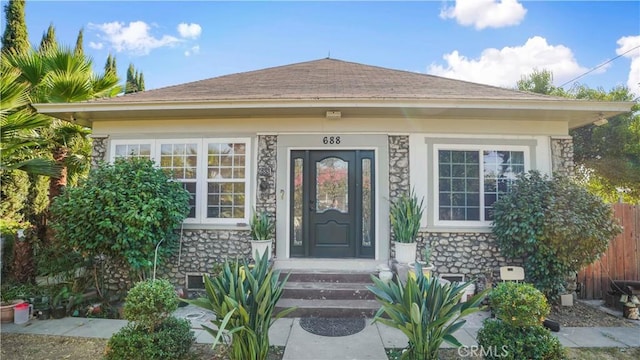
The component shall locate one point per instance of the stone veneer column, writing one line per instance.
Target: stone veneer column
(98, 149)
(267, 166)
(398, 166)
(398, 171)
(562, 155)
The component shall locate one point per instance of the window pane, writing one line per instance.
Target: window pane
(332, 187)
(458, 191)
(366, 202)
(298, 171)
(225, 200)
(500, 171)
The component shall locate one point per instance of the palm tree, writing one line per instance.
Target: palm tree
(61, 75)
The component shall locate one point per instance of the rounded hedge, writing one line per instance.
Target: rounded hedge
(150, 302)
(171, 340)
(508, 342)
(519, 304)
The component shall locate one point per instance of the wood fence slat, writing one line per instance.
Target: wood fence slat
(621, 261)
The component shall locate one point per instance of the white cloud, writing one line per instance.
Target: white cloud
(485, 13)
(626, 45)
(504, 67)
(189, 31)
(95, 45)
(134, 37)
(193, 51)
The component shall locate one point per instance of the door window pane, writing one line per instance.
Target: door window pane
(332, 185)
(298, 178)
(366, 202)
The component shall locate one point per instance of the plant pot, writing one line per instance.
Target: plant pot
(7, 310)
(426, 270)
(406, 252)
(43, 314)
(259, 247)
(59, 312)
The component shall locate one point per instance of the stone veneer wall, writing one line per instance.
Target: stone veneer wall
(98, 150)
(202, 249)
(398, 171)
(562, 155)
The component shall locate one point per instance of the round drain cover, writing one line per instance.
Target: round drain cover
(333, 326)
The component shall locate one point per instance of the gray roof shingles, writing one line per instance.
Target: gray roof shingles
(325, 79)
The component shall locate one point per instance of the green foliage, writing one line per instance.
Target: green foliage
(555, 225)
(48, 41)
(607, 157)
(251, 294)
(519, 304)
(123, 211)
(150, 302)
(405, 215)
(13, 196)
(15, 38)
(425, 310)
(261, 226)
(171, 340)
(510, 342)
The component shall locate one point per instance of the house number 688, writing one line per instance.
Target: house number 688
(331, 140)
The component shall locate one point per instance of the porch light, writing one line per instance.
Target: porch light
(333, 115)
(601, 120)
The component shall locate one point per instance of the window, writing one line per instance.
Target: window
(470, 180)
(216, 177)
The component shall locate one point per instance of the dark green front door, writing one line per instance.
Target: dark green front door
(332, 203)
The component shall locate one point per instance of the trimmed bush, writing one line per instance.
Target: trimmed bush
(519, 304)
(150, 302)
(171, 340)
(509, 342)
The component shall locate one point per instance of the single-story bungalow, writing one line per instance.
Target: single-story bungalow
(326, 146)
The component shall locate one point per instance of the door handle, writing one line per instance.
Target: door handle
(312, 205)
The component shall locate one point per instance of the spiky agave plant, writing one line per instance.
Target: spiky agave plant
(249, 294)
(426, 310)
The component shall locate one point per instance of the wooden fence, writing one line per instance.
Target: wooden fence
(622, 259)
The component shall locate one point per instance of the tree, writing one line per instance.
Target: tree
(15, 37)
(140, 81)
(554, 225)
(608, 156)
(48, 39)
(131, 86)
(79, 49)
(122, 211)
(110, 65)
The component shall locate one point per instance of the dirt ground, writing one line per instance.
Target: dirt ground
(41, 347)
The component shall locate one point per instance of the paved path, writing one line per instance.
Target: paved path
(301, 345)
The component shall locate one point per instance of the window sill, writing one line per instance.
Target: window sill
(194, 226)
(457, 229)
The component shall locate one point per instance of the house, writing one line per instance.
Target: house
(325, 146)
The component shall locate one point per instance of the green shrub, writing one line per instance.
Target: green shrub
(150, 302)
(123, 210)
(171, 340)
(555, 225)
(250, 293)
(519, 304)
(427, 311)
(508, 342)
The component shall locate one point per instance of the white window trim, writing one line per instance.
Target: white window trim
(201, 173)
(436, 177)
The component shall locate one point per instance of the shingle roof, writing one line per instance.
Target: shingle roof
(325, 79)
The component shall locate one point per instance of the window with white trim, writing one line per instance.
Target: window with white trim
(469, 179)
(214, 171)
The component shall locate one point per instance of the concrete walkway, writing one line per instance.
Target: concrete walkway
(369, 343)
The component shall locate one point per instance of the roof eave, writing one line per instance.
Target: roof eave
(83, 113)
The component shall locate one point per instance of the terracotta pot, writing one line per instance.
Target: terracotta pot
(6, 310)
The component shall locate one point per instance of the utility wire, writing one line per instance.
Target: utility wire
(599, 66)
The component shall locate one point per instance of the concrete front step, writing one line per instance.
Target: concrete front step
(327, 291)
(329, 308)
(327, 276)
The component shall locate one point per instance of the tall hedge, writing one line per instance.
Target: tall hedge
(555, 225)
(123, 210)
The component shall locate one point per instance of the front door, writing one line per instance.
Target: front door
(332, 203)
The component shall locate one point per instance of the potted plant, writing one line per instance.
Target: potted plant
(261, 234)
(425, 263)
(9, 298)
(405, 215)
(59, 302)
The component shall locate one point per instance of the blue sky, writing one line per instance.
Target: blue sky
(486, 41)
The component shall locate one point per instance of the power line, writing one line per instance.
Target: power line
(599, 66)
